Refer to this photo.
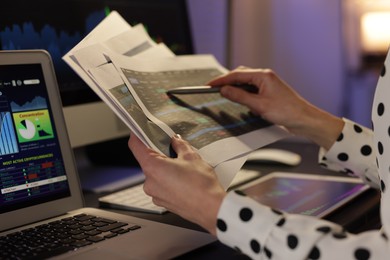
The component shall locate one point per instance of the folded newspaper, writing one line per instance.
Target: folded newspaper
(131, 73)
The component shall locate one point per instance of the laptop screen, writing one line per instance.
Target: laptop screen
(32, 168)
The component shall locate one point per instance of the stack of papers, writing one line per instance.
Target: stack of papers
(131, 73)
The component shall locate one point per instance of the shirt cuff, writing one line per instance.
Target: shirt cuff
(352, 153)
(238, 222)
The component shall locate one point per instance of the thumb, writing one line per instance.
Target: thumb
(183, 149)
(140, 151)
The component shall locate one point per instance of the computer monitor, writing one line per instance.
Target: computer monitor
(57, 26)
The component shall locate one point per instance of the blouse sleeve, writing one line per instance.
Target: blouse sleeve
(353, 154)
(264, 233)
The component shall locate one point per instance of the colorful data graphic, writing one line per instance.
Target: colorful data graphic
(33, 125)
(200, 118)
(40, 177)
(161, 140)
(8, 142)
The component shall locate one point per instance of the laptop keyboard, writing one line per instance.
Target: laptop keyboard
(132, 198)
(57, 237)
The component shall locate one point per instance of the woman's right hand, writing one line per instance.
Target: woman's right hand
(280, 104)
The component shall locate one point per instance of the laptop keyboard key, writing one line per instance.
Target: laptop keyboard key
(52, 253)
(111, 235)
(112, 226)
(81, 243)
(95, 239)
(104, 220)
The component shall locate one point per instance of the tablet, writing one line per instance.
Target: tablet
(306, 194)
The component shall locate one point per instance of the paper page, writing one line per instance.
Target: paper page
(130, 42)
(211, 123)
(91, 56)
(105, 75)
(90, 53)
(112, 25)
(94, 55)
(227, 170)
(113, 85)
(135, 88)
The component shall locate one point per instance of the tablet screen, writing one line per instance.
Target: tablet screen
(306, 194)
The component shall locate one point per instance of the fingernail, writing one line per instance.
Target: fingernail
(177, 136)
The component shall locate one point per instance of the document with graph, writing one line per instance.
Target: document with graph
(133, 80)
(217, 127)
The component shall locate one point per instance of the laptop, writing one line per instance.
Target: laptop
(39, 183)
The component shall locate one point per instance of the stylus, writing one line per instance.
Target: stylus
(207, 89)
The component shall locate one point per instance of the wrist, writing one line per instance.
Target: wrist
(210, 216)
(320, 127)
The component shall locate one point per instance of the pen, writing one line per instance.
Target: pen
(207, 89)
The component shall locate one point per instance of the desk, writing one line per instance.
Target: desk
(359, 215)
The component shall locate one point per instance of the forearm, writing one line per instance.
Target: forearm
(318, 126)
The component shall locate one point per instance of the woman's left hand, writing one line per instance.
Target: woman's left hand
(186, 185)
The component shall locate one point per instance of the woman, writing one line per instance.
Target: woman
(257, 230)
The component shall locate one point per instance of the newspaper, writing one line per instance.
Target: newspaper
(131, 74)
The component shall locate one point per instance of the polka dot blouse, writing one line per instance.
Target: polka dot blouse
(264, 233)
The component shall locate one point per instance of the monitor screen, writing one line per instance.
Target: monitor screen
(57, 26)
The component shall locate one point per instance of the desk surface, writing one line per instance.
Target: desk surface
(359, 215)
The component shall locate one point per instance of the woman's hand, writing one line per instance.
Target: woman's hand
(279, 104)
(185, 185)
